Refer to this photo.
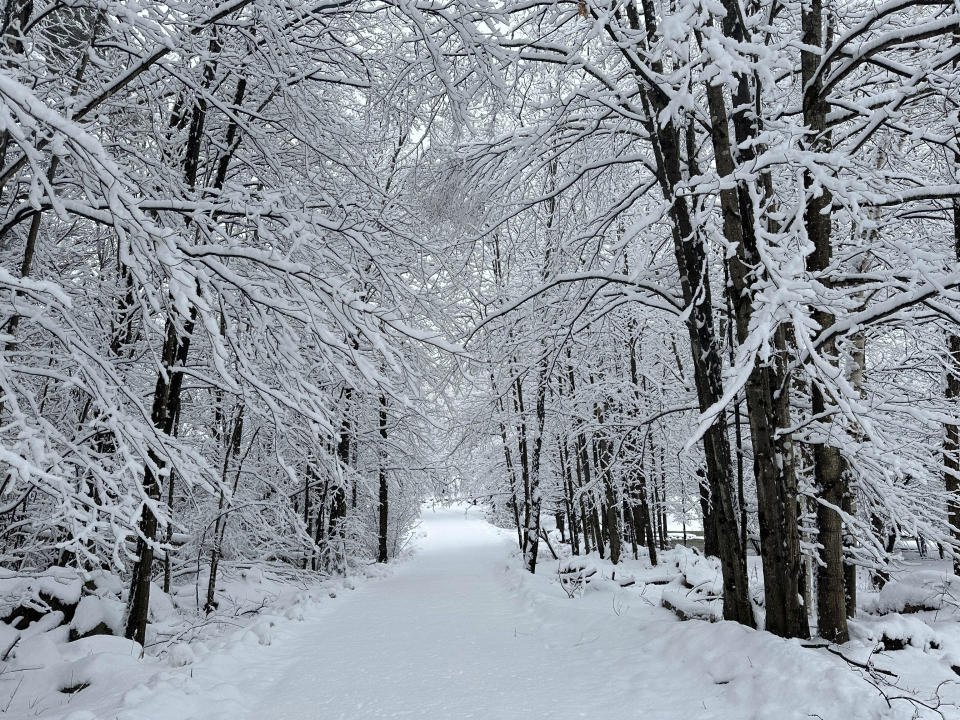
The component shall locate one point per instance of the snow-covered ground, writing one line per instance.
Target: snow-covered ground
(458, 630)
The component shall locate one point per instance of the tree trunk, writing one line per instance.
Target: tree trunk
(566, 477)
(167, 393)
(951, 445)
(336, 532)
(598, 541)
(584, 521)
(231, 450)
(597, 530)
(307, 514)
(383, 509)
(320, 524)
(828, 463)
(858, 360)
(788, 454)
(661, 505)
(641, 516)
(711, 540)
(776, 497)
(511, 476)
(523, 448)
(690, 252)
(166, 403)
(533, 527)
(591, 524)
(603, 458)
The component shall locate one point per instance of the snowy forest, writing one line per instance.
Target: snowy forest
(655, 302)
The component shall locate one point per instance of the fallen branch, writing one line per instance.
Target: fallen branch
(866, 666)
(543, 536)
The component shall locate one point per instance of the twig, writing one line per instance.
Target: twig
(7, 652)
(866, 666)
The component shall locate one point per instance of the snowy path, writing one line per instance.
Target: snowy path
(443, 637)
(450, 635)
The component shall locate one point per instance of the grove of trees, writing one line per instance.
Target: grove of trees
(273, 272)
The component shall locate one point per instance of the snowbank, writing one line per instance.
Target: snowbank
(741, 674)
(915, 591)
(59, 667)
(24, 597)
(97, 616)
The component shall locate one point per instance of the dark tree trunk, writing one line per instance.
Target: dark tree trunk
(584, 521)
(231, 450)
(567, 477)
(951, 445)
(603, 456)
(788, 455)
(776, 496)
(532, 543)
(501, 413)
(511, 476)
(320, 524)
(171, 494)
(307, 512)
(167, 393)
(524, 454)
(660, 507)
(711, 540)
(597, 530)
(858, 364)
(598, 543)
(639, 506)
(166, 402)
(829, 472)
(383, 509)
(849, 566)
(690, 252)
(613, 531)
(630, 530)
(336, 532)
(641, 517)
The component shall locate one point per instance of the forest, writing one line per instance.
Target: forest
(669, 288)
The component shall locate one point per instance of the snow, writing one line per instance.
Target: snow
(909, 592)
(22, 590)
(902, 629)
(459, 630)
(106, 582)
(161, 606)
(698, 591)
(93, 612)
(180, 654)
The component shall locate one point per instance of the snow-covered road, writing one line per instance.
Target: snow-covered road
(445, 638)
(452, 634)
